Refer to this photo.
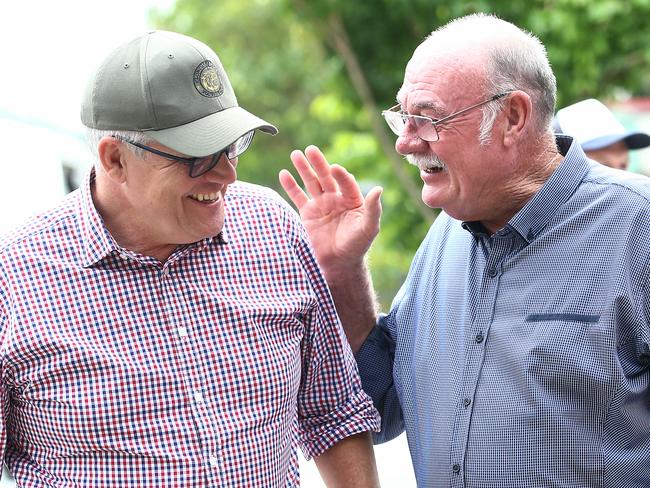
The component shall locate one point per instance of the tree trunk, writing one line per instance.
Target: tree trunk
(341, 44)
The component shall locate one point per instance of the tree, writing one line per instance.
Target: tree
(322, 70)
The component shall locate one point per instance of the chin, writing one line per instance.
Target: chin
(430, 200)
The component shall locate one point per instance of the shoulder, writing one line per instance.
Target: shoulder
(248, 201)
(244, 193)
(40, 228)
(259, 207)
(619, 184)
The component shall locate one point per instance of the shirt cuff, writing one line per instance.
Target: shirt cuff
(317, 434)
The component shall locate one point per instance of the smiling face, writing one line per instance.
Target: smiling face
(153, 205)
(460, 175)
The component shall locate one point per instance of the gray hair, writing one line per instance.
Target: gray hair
(93, 136)
(517, 60)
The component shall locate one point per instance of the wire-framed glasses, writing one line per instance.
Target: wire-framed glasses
(201, 165)
(425, 127)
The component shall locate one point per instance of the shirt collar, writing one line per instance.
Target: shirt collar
(537, 212)
(564, 181)
(97, 242)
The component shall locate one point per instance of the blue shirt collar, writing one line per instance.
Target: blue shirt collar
(536, 213)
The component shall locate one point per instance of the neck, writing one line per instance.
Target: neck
(119, 219)
(524, 184)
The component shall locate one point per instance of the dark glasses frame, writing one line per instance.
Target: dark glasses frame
(200, 165)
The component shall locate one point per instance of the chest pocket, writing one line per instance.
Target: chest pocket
(570, 357)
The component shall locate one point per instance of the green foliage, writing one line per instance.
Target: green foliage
(286, 62)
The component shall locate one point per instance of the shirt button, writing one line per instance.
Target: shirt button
(467, 402)
(492, 272)
(479, 337)
(214, 462)
(198, 397)
(165, 272)
(456, 468)
(182, 332)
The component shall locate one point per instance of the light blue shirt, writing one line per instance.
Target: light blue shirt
(522, 359)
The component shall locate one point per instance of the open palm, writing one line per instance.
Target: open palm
(341, 223)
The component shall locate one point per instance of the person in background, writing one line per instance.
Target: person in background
(166, 325)
(517, 351)
(600, 134)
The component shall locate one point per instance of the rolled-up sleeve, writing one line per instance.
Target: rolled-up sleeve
(331, 402)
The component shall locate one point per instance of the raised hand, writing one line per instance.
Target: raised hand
(341, 223)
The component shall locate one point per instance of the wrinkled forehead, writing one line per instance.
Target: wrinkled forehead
(431, 76)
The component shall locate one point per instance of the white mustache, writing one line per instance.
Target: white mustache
(425, 161)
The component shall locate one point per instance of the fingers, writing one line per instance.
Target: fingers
(322, 168)
(319, 176)
(347, 185)
(372, 204)
(293, 190)
(307, 173)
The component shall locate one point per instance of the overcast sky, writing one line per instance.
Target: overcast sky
(49, 49)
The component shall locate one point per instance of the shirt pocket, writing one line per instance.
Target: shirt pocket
(563, 317)
(570, 358)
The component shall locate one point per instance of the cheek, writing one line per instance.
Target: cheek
(160, 197)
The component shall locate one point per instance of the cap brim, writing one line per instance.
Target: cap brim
(637, 140)
(212, 133)
(633, 140)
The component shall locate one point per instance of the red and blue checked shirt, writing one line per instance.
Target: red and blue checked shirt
(206, 370)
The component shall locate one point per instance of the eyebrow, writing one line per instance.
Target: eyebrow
(430, 105)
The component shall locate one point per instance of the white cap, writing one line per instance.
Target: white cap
(594, 126)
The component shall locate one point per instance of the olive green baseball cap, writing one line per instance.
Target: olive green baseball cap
(173, 88)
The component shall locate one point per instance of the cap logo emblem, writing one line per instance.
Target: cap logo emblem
(207, 81)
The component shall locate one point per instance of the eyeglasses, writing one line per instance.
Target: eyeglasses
(425, 127)
(201, 165)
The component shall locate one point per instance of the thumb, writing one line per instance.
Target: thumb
(372, 204)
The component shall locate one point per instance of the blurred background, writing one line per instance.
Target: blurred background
(321, 70)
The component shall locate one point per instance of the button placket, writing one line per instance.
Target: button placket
(198, 397)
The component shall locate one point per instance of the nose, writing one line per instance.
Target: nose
(224, 172)
(409, 143)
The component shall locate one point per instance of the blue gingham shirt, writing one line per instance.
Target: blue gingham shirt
(206, 370)
(522, 359)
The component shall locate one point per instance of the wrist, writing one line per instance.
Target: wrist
(344, 272)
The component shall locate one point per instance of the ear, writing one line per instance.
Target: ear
(112, 158)
(518, 112)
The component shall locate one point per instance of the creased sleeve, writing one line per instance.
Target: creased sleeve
(4, 333)
(331, 402)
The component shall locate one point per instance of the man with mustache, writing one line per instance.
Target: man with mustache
(517, 352)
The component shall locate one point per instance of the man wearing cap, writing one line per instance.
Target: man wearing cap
(158, 331)
(601, 136)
